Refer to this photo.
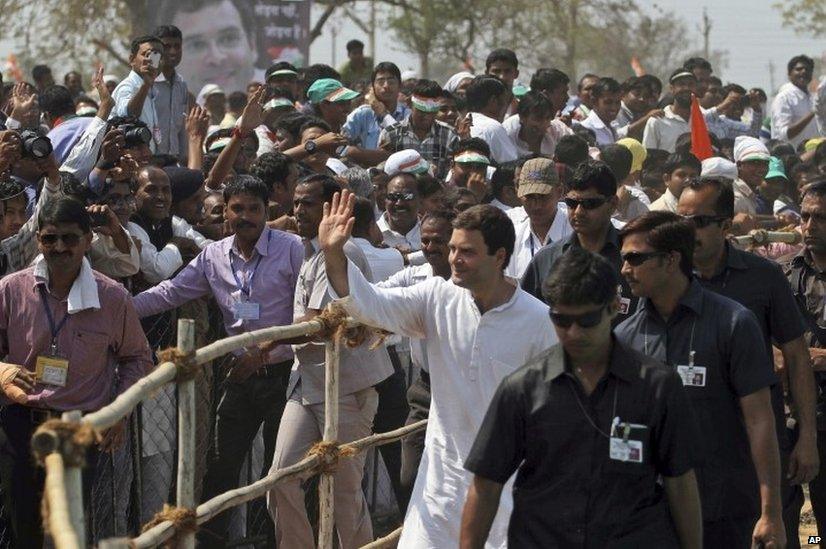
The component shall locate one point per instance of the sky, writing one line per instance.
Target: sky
(750, 30)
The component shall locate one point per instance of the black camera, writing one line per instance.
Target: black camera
(135, 135)
(35, 146)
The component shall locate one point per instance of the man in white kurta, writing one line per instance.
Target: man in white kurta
(468, 353)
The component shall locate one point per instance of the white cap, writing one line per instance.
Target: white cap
(719, 167)
(749, 148)
(406, 161)
(409, 74)
(111, 78)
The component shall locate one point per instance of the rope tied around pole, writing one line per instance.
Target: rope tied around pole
(328, 453)
(184, 521)
(334, 324)
(184, 363)
(73, 439)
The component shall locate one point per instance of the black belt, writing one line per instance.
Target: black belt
(36, 415)
(273, 370)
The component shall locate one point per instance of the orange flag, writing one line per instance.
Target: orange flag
(700, 141)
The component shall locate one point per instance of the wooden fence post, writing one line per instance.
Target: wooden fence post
(326, 520)
(185, 497)
(73, 478)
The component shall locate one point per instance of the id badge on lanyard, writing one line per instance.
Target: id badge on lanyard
(52, 369)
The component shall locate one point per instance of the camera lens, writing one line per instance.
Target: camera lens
(35, 145)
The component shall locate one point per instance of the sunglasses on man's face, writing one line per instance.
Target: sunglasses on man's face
(69, 239)
(587, 203)
(584, 320)
(398, 197)
(703, 221)
(635, 259)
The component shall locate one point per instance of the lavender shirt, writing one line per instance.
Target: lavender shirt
(272, 285)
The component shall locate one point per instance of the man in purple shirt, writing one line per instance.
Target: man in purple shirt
(76, 339)
(252, 276)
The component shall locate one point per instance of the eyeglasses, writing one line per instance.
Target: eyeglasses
(635, 259)
(398, 197)
(127, 200)
(702, 221)
(69, 239)
(584, 320)
(587, 203)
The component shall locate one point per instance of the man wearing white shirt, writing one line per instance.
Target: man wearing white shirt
(134, 95)
(399, 224)
(384, 262)
(540, 220)
(606, 94)
(464, 321)
(533, 129)
(662, 133)
(677, 170)
(793, 112)
(487, 100)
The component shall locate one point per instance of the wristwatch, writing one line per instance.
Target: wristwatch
(310, 146)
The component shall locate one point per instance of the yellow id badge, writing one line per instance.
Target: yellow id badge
(52, 370)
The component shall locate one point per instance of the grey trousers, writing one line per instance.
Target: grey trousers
(301, 427)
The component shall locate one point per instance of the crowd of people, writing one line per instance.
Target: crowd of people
(601, 362)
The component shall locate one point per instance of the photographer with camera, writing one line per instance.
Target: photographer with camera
(134, 96)
(125, 149)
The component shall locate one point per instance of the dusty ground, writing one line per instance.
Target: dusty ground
(808, 527)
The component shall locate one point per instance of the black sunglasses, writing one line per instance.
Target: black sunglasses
(635, 259)
(398, 197)
(587, 203)
(703, 221)
(69, 239)
(584, 320)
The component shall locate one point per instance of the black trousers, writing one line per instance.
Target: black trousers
(23, 479)
(418, 397)
(390, 415)
(817, 488)
(242, 409)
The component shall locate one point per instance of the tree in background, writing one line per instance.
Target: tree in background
(804, 16)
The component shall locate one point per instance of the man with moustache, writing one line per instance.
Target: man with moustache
(399, 225)
(591, 199)
(252, 276)
(464, 322)
(68, 329)
(302, 424)
(760, 285)
(662, 133)
(805, 274)
(717, 348)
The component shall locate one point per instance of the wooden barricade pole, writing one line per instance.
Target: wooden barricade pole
(73, 479)
(185, 497)
(326, 519)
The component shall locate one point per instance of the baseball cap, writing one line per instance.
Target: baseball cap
(329, 89)
(538, 176)
(520, 89)
(210, 89)
(776, 169)
(680, 73)
(406, 161)
(280, 69)
(471, 157)
(638, 152)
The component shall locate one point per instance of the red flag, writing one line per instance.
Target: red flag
(700, 141)
(636, 66)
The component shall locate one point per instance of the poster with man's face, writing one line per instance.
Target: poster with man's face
(232, 42)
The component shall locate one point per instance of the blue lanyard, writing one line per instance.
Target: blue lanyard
(55, 329)
(248, 288)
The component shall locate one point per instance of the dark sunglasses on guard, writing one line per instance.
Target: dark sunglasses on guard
(635, 259)
(703, 221)
(587, 203)
(585, 320)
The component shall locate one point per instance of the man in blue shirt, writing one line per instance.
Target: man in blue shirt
(382, 109)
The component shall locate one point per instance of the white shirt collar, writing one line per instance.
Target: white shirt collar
(669, 113)
(84, 291)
